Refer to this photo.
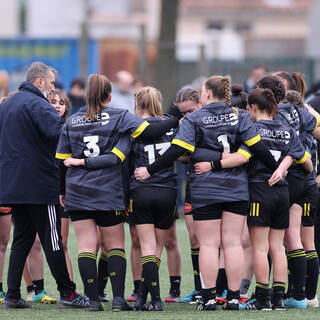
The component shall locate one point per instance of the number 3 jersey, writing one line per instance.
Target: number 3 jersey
(96, 189)
(145, 152)
(221, 128)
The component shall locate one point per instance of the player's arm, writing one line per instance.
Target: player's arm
(252, 139)
(230, 160)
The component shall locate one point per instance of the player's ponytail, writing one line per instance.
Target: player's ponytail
(149, 99)
(264, 99)
(98, 92)
(220, 87)
(301, 86)
(274, 83)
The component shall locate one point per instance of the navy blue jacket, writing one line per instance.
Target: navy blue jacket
(29, 132)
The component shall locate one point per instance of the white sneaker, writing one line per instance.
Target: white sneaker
(30, 296)
(313, 303)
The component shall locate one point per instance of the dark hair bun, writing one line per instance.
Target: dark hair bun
(236, 90)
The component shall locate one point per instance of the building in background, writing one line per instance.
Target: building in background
(125, 33)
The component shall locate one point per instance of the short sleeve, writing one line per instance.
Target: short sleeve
(296, 149)
(64, 147)
(309, 121)
(123, 147)
(132, 124)
(186, 135)
(248, 131)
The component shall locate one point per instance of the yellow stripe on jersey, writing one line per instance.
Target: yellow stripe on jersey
(244, 153)
(140, 129)
(317, 124)
(63, 156)
(118, 153)
(308, 154)
(303, 159)
(253, 140)
(183, 144)
(257, 210)
(254, 209)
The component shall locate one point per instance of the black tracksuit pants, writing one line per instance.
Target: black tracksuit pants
(30, 219)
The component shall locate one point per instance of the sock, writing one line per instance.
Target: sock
(87, 262)
(38, 286)
(1, 287)
(297, 265)
(151, 276)
(208, 294)
(262, 291)
(289, 289)
(175, 282)
(233, 294)
(244, 287)
(103, 274)
(278, 289)
(29, 288)
(195, 265)
(136, 284)
(312, 274)
(117, 266)
(143, 289)
(222, 283)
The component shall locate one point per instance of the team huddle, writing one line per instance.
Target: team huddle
(251, 193)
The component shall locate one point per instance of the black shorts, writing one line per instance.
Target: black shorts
(62, 212)
(309, 204)
(154, 205)
(296, 189)
(214, 211)
(269, 206)
(102, 218)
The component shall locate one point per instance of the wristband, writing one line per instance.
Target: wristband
(216, 165)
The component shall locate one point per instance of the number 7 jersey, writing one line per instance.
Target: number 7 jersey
(96, 189)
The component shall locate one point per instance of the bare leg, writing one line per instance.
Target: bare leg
(231, 234)
(65, 234)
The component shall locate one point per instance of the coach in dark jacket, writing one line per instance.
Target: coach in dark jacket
(29, 131)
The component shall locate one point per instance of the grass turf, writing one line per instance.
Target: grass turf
(172, 310)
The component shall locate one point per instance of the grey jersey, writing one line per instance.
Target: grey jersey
(281, 140)
(302, 122)
(220, 128)
(145, 152)
(98, 189)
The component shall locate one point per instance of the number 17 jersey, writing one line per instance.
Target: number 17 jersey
(145, 152)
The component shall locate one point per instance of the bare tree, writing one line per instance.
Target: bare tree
(166, 75)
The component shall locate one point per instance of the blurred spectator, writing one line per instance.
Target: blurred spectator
(122, 92)
(137, 84)
(4, 83)
(256, 73)
(77, 95)
(238, 97)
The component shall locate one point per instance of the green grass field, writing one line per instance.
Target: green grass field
(172, 311)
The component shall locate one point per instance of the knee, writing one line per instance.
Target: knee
(171, 244)
(194, 243)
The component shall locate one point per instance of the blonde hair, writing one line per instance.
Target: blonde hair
(220, 87)
(98, 92)
(149, 99)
